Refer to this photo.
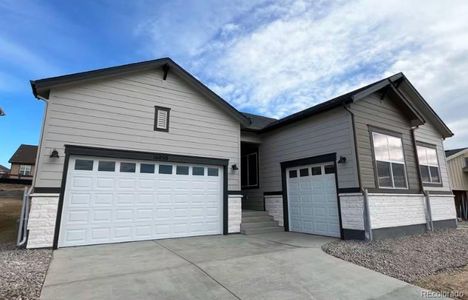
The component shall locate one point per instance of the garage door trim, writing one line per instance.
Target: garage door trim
(137, 155)
(330, 157)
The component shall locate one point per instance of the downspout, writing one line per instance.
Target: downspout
(38, 155)
(23, 221)
(367, 220)
(355, 145)
(366, 210)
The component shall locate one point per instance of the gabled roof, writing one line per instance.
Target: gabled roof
(41, 88)
(389, 84)
(455, 152)
(25, 154)
(4, 169)
(257, 122)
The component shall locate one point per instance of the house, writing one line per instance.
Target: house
(457, 164)
(4, 171)
(146, 151)
(2, 113)
(23, 162)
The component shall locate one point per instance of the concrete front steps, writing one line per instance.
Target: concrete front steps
(254, 222)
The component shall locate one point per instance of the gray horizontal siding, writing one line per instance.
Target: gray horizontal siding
(428, 134)
(383, 114)
(328, 132)
(119, 113)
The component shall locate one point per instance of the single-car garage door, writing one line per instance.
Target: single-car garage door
(312, 200)
(108, 200)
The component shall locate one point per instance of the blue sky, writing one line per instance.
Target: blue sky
(266, 57)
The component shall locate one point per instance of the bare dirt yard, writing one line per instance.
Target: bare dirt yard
(436, 261)
(22, 271)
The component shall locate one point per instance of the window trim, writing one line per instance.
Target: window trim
(395, 134)
(166, 109)
(257, 185)
(432, 146)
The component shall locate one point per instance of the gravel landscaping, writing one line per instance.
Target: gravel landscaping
(411, 258)
(22, 272)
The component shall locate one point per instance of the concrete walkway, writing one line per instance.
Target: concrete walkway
(278, 265)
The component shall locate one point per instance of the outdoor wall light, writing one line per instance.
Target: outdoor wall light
(234, 167)
(54, 154)
(342, 160)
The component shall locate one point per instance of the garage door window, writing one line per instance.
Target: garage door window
(212, 172)
(84, 165)
(127, 167)
(165, 169)
(147, 168)
(293, 174)
(106, 166)
(182, 170)
(198, 171)
(304, 172)
(329, 169)
(316, 171)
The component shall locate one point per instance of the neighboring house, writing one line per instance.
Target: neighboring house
(146, 151)
(2, 113)
(4, 171)
(457, 162)
(23, 162)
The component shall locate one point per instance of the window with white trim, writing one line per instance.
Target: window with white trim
(249, 170)
(389, 161)
(428, 164)
(25, 170)
(161, 118)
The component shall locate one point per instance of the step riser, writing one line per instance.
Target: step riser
(254, 213)
(262, 230)
(258, 225)
(257, 219)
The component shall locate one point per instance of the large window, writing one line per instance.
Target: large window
(390, 161)
(25, 170)
(428, 164)
(249, 170)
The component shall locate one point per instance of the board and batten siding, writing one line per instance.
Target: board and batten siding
(328, 132)
(118, 113)
(458, 178)
(384, 114)
(428, 134)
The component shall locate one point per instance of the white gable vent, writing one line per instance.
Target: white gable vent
(161, 119)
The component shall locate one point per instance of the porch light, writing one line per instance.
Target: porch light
(342, 160)
(54, 154)
(234, 167)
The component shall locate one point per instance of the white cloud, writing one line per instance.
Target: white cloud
(283, 56)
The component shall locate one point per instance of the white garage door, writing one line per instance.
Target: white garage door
(108, 201)
(312, 200)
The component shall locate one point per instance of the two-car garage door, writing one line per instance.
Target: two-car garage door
(108, 200)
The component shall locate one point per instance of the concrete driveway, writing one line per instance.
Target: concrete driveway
(265, 266)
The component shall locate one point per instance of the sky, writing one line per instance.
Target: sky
(267, 57)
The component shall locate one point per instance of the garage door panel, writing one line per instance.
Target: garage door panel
(312, 201)
(106, 206)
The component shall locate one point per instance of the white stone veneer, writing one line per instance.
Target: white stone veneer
(41, 222)
(234, 213)
(442, 207)
(352, 211)
(274, 207)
